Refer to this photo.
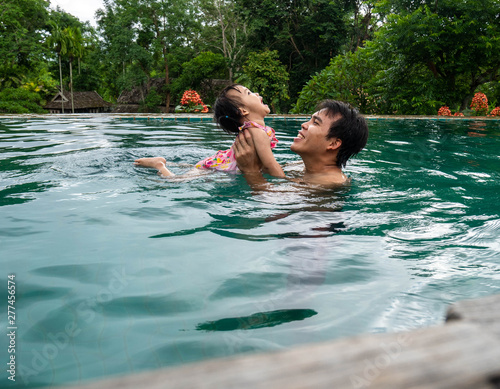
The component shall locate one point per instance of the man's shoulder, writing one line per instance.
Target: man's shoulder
(328, 180)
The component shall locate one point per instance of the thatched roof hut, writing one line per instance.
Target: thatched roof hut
(84, 102)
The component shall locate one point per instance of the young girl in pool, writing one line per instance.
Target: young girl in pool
(236, 109)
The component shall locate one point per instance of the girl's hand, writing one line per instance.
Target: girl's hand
(155, 162)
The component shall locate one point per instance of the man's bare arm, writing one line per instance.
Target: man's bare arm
(248, 161)
(264, 152)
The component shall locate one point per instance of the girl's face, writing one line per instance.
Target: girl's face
(253, 107)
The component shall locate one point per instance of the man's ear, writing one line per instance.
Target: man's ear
(334, 144)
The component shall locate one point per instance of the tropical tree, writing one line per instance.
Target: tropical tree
(199, 72)
(122, 55)
(225, 31)
(347, 78)
(73, 49)
(58, 42)
(91, 69)
(445, 48)
(20, 100)
(363, 23)
(22, 28)
(305, 33)
(144, 34)
(265, 74)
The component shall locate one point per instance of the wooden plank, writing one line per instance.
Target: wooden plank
(484, 312)
(458, 355)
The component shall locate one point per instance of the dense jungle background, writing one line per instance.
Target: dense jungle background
(384, 57)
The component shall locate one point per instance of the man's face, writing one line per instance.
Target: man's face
(312, 135)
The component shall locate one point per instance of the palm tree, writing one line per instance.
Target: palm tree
(74, 41)
(58, 42)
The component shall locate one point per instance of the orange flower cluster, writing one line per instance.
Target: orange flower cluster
(444, 111)
(495, 112)
(458, 114)
(192, 99)
(480, 103)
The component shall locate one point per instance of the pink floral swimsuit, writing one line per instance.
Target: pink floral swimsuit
(224, 159)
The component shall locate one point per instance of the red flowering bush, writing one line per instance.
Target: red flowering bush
(191, 97)
(495, 112)
(458, 114)
(480, 104)
(191, 102)
(444, 111)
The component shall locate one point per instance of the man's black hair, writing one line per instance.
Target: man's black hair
(349, 126)
(226, 110)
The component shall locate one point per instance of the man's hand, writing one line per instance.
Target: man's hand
(245, 153)
(248, 161)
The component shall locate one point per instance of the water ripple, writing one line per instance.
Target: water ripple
(232, 270)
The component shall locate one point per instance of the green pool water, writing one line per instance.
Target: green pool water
(117, 271)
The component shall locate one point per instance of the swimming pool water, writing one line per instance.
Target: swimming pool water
(118, 271)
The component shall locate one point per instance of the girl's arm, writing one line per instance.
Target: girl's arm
(263, 148)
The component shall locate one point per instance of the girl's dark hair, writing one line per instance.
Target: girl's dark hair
(349, 126)
(226, 111)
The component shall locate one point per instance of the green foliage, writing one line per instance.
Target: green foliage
(22, 28)
(133, 77)
(345, 79)
(265, 74)
(190, 109)
(200, 70)
(205, 65)
(492, 90)
(225, 31)
(20, 100)
(425, 55)
(305, 33)
(405, 91)
(403, 56)
(73, 43)
(388, 7)
(152, 102)
(57, 39)
(140, 36)
(41, 81)
(451, 46)
(88, 78)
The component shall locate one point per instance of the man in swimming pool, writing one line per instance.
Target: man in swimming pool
(332, 135)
